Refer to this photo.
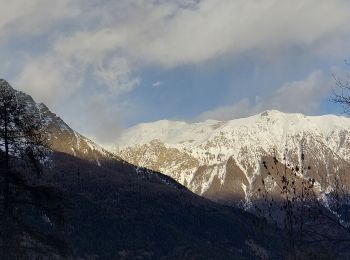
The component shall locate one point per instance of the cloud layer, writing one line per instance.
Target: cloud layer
(121, 35)
(63, 47)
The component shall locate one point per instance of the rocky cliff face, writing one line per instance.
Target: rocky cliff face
(222, 160)
(66, 140)
(60, 136)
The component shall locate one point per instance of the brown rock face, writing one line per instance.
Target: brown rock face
(230, 189)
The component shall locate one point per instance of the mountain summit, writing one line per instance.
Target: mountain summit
(222, 160)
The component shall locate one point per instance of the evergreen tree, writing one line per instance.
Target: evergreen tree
(28, 209)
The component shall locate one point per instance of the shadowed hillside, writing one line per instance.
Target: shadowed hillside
(118, 213)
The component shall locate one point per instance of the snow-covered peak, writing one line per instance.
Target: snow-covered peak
(273, 122)
(172, 132)
(216, 158)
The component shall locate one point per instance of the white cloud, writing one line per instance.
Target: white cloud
(116, 74)
(302, 96)
(18, 18)
(157, 84)
(50, 78)
(58, 73)
(171, 36)
(172, 33)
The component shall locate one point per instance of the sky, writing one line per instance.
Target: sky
(105, 65)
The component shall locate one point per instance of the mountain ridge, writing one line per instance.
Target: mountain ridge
(181, 150)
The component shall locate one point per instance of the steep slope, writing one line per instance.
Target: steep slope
(221, 159)
(61, 137)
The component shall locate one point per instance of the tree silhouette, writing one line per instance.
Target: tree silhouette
(295, 205)
(28, 209)
(286, 204)
(341, 92)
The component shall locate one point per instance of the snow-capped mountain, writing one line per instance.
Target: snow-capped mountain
(222, 160)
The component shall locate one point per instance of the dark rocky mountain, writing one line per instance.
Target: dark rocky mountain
(114, 213)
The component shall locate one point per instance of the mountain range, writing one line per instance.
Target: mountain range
(224, 160)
